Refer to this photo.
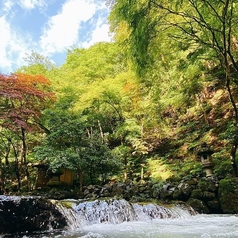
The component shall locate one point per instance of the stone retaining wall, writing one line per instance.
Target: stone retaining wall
(205, 195)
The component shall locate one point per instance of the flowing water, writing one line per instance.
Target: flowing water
(193, 227)
(120, 219)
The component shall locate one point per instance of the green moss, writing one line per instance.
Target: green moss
(228, 185)
(228, 195)
(197, 193)
(66, 204)
(53, 183)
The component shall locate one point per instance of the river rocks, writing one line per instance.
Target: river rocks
(202, 194)
(228, 195)
(215, 206)
(186, 189)
(197, 194)
(206, 195)
(28, 215)
(198, 205)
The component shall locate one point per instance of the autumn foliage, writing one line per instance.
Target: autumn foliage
(22, 98)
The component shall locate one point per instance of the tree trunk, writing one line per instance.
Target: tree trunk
(101, 131)
(233, 159)
(23, 157)
(125, 169)
(1, 176)
(17, 167)
(8, 149)
(3, 166)
(235, 122)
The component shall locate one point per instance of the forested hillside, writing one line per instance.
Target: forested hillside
(136, 108)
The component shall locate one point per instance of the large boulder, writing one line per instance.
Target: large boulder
(198, 205)
(29, 214)
(228, 195)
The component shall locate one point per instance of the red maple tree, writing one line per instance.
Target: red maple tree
(22, 99)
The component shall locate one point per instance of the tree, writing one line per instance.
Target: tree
(72, 143)
(22, 99)
(37, 64)
(100, 161)
(205, 29)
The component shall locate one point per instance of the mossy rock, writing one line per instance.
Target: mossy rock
(192, 181)
(197, 193)
(198, 205)
(228, 195)
(186, 189)
(214, 206)
(208, 196)
(207, 184)
(177, 194)
(54, 183)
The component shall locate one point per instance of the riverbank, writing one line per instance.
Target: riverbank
(205, 195)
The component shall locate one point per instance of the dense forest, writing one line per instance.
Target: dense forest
(136, 108)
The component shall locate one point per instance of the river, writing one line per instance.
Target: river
(113, 218)
(189, 227)
(119, 219)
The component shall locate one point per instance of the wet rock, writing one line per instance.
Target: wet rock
(197, 193)
(92, 191)
(207, 184)
(214, 206)
(208, 196)
(198, 205)
(106, 191)
(28, 215)
(228, 195)
(192, 181)
(186, 189)
(177, 195)
(118, 189)
(166, 192)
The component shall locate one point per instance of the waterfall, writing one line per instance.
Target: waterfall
(109, 218)
(106, 211)
(153, 211)
(113, 211)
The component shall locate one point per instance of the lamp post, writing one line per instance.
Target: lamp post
(205, 154)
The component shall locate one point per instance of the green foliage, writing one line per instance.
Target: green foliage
(38, 64)
(159, 170)
(147, 99)
(69, 145)
(228, 185)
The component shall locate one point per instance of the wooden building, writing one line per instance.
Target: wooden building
(45, 177)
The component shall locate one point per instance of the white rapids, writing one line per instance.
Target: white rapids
(120, 219)
(196, 226)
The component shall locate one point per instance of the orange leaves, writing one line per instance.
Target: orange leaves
(31, 79)
(22, 98)
(19, 85)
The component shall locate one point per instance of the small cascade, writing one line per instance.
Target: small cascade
(66, 208)
(112, 211)
(182, 211)
(153, 211)
(106, 211)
